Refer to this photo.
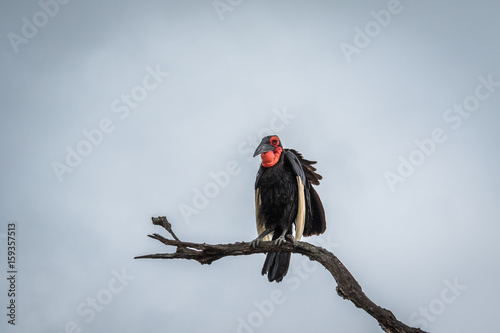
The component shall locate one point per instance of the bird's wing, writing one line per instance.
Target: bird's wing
(300, 220)
(317, 223)
(307, 168)
(313, 221)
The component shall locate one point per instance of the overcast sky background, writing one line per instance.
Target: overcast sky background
(230, 75)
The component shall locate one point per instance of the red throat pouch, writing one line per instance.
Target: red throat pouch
(271, 157)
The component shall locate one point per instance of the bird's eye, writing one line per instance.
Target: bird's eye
(274, 141)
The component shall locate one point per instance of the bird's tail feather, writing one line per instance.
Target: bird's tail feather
(276, 265)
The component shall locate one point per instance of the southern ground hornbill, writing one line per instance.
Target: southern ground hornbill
(284, 196)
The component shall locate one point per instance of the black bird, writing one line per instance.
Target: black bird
(284, 196)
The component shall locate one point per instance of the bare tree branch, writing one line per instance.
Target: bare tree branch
(347, 286)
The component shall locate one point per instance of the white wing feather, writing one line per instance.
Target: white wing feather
(300, 220)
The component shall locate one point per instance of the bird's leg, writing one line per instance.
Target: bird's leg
(263, 234)
(281, 239)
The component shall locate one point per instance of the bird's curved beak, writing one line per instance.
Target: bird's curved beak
(264, 147)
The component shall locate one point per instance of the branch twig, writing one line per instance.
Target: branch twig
(347, 286)
(162, 220)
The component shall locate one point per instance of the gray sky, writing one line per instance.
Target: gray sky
(115, 112)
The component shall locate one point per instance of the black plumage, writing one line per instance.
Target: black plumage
(284, 197)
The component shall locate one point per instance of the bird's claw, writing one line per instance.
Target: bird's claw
(280, 240)
(292, 239)
(255, 242)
